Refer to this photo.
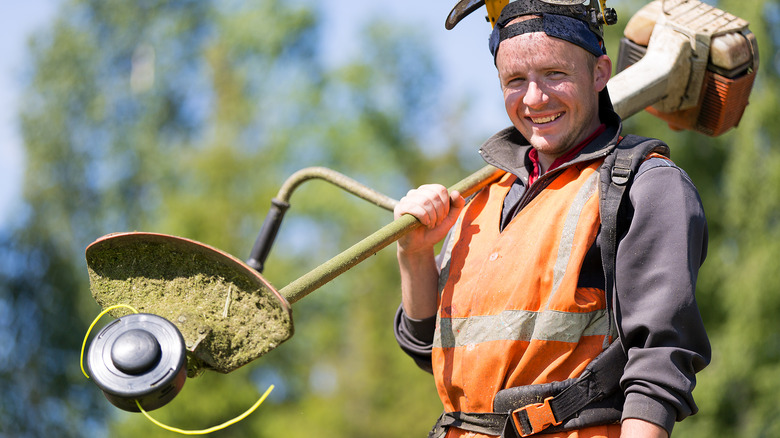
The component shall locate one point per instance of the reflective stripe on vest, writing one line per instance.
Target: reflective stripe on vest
(510, 310)
(519, 325)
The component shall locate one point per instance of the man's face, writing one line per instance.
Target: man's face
(551, 91)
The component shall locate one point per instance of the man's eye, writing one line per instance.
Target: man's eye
(515, 82)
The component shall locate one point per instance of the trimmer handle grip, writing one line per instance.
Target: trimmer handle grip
(267, 235)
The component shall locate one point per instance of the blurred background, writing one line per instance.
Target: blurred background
(185, 116)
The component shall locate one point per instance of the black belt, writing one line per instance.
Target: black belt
(592, 399)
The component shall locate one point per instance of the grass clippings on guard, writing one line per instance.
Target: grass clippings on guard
(227, 313)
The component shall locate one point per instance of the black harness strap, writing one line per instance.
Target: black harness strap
(617, 174)
(567, 405)
(573, 406)
(482, 422)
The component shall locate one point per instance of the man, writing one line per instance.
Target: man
(517, 297)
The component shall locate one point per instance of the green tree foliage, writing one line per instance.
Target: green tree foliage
(184, 117)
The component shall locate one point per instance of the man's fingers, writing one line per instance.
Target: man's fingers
(416, 210)
(456, 200)
(429, 204)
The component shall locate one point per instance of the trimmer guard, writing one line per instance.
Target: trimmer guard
(227, 313)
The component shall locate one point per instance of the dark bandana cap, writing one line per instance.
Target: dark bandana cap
(568, 23)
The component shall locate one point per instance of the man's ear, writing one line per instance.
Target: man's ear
(602, 71)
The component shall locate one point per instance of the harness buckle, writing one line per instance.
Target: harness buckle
(534, 418)
(620, 175)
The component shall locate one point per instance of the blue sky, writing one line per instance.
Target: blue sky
(462, 52)
(17, 22)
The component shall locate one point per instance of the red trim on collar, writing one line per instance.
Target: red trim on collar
(533, 155)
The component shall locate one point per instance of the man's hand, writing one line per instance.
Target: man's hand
(436, 209)
(636, 428)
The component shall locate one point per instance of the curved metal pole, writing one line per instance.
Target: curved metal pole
(280, 204)
(375, 242)
(336, 179)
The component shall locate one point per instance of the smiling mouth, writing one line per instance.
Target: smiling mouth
(545, 119)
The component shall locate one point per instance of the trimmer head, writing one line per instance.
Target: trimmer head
(227, 313)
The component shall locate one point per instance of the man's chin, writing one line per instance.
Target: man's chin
(545, 145)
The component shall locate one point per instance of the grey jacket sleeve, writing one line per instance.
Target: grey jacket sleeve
(415, 337)
(657, 264)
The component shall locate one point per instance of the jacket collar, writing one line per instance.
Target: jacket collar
(508, 149)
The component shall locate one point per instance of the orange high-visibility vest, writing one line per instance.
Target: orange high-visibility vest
(510, 311)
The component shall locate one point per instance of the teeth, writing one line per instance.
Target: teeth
(547, 119)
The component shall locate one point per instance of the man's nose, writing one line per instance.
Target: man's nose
(534, 95)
